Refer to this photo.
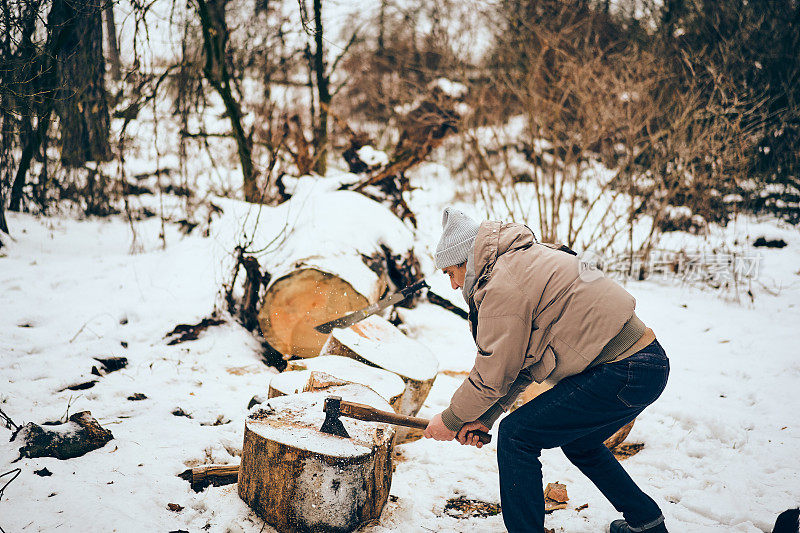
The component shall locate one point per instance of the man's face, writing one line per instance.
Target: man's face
(457, 274)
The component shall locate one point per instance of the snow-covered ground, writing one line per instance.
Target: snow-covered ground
(721, 445)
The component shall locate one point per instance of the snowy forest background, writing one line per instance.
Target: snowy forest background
(149, 150)
(685, 112)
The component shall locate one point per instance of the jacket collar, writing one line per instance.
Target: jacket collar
(493, 240)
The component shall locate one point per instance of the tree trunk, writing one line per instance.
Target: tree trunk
(299, 479)
(31, 147)
(111, 42)
(324, 96)
(3, 222)
(376, 342)
(215, 41)
(80, 97)
(31, 75)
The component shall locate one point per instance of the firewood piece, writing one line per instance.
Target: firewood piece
(293, 304)
(201, 477)
(555, 497)
(627, 449)
(320, 381)
(388, 384)
(377, 342)
(300, 479)
(621, 434)
(80, 435)
(297, 381)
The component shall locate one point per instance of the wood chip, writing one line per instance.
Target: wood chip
(556, 492)
(555, 497)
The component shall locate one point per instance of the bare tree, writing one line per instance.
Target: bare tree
(111, 42)
(217, 72)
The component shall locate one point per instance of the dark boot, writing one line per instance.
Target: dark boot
(621, 526)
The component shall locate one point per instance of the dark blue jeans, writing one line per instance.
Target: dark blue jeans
(578, 414)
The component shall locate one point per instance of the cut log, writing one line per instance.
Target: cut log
(376, 342)
(325, 253)
(309, 296)
(388, 384)
(299, 479)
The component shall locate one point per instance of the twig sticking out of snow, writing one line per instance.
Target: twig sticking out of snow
(7, 422)
(13, 473)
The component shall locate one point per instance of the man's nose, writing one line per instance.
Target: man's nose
(453, 283)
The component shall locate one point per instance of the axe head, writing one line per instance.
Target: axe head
(332, 424)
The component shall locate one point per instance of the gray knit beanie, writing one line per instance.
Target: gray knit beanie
(458, 236)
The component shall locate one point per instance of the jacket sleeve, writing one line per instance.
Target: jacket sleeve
(504, 404)
(502, 341)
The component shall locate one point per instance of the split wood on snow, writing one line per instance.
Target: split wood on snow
(389, 385)
(377, 342)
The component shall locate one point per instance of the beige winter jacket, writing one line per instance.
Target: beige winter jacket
(533, 318)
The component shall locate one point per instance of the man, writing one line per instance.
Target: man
(534, 317)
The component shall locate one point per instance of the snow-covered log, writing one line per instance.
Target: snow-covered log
(388, 384)
(311, 295)
(300, 479)
(325, 254)
(78, 436)
(377, 342)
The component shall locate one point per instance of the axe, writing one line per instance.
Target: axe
(357, 316)
(335, 407)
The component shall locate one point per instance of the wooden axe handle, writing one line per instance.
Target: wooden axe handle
(370, 414)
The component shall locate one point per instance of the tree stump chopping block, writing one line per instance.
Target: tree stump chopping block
(299, 479)
(377, 342)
